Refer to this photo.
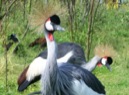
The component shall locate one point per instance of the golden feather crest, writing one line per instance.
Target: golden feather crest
(105, 50)
(41, 12)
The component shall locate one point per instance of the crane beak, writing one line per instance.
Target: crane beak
(108, 67)
(58, 28)
(109, 62)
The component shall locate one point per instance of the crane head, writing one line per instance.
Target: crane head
(106, 61)
(53, 23)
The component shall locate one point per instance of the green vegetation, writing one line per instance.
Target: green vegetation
(110, 27)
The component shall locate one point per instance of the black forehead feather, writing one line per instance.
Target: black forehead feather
(109, 60)
(55, 19)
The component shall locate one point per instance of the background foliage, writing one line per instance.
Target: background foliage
(84, 20)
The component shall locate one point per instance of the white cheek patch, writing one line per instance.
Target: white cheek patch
(104, 61)
(49, 26)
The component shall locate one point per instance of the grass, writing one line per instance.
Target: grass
(112, 29)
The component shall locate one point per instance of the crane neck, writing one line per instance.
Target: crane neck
(90, 66)
(52, 49)
(51, 69)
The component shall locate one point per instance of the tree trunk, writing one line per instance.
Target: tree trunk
(30, 6)
(71, 10)
(90, 23)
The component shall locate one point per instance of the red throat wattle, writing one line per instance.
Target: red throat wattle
(50, 36)
(99, 64)
(48, 19)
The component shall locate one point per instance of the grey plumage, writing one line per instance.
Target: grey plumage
(78, 56)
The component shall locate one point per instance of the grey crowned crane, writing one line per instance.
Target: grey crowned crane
(67, 52)
(67, 79)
